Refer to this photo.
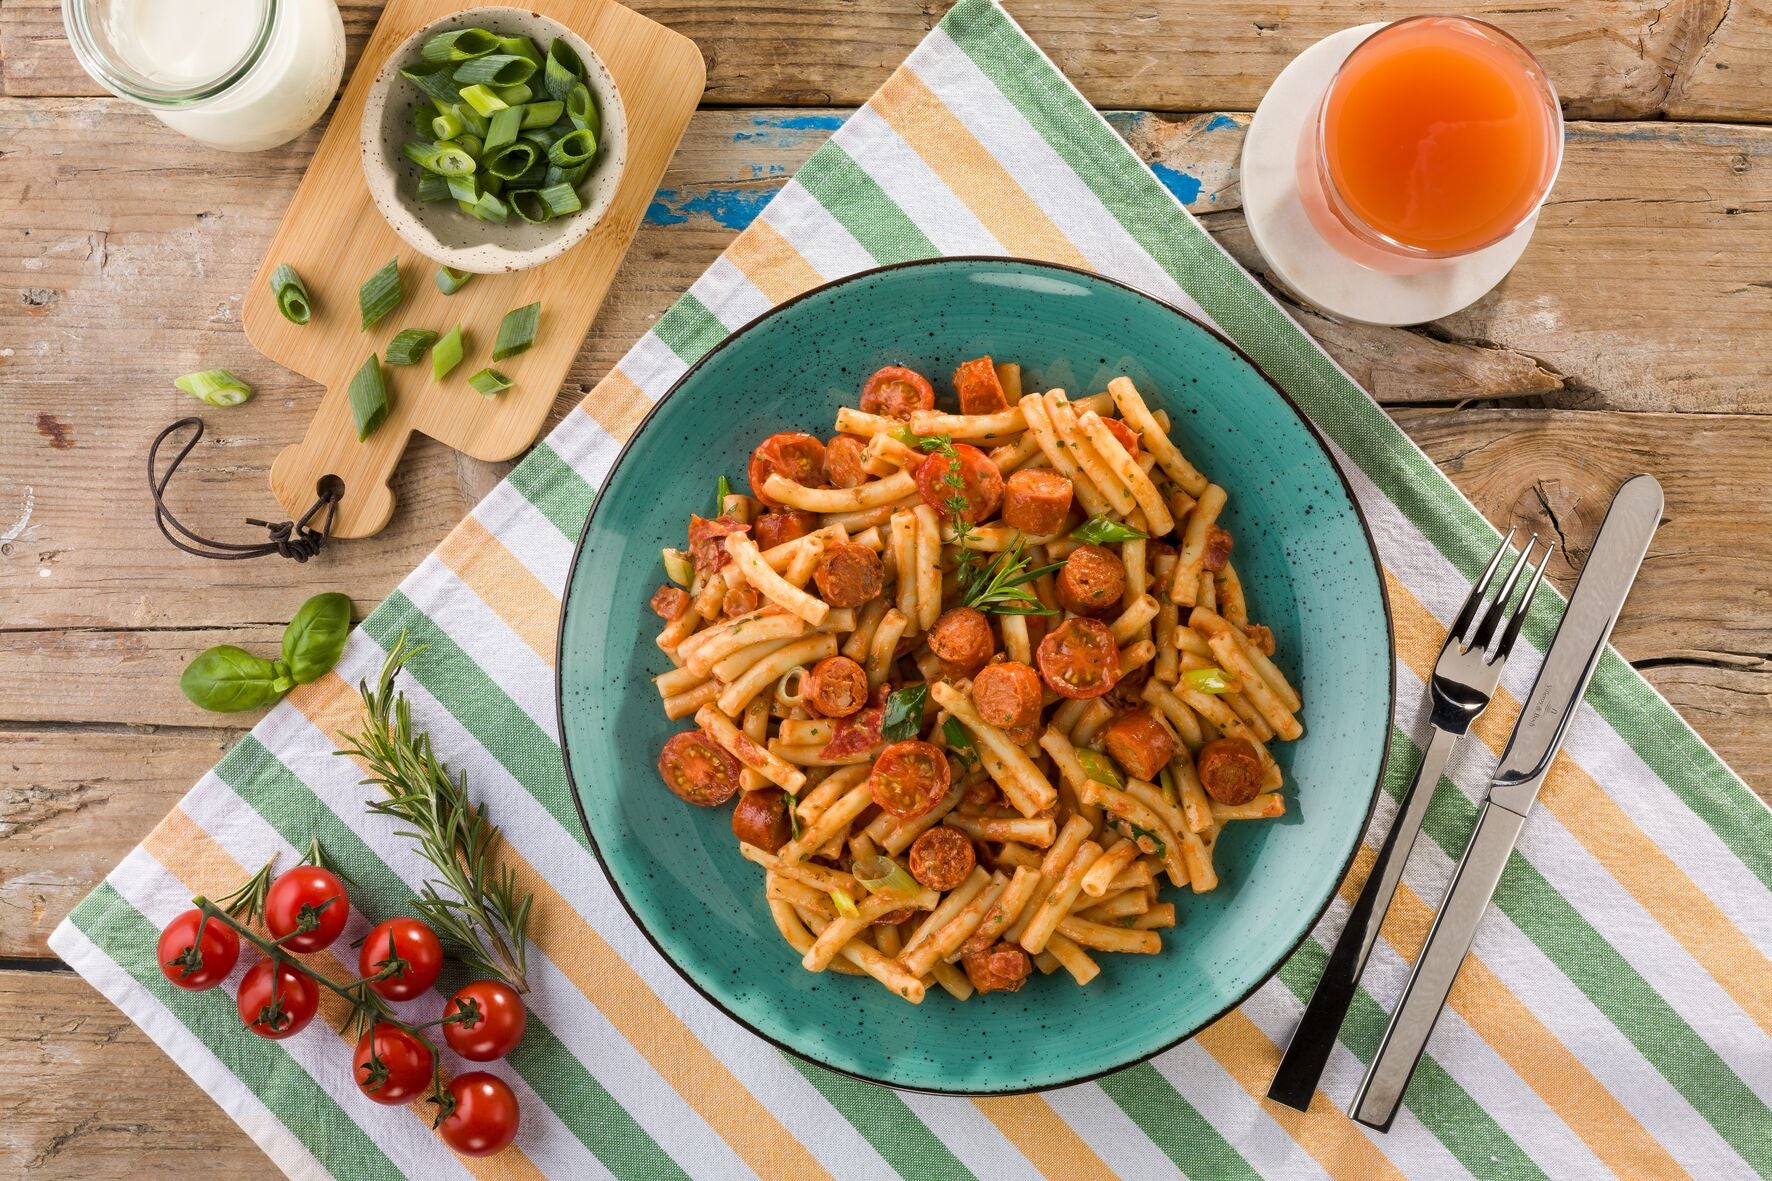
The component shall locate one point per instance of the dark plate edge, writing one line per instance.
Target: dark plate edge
(1359, 515)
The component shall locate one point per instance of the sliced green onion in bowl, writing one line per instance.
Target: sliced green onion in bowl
(516, 94)
(528, 205)
(490, 208)
(468, 142)
(573, 148)
(450, 280)
(520, 47)
(481, 99)
(409, 345)
(1207, 680)
(882, 875)
(433, 186)
(533, 177)
(564, 69)
(488, 382)
(581, 109)
(495, 69)
(446, 354)
(502, 128)
(543, 114)
(512, 160)
(516, 332)
(466, 188)
(369, 398)
(291, 293)
(567, 176)
(459, 45)
(423, 115)
(472, 121)
(561, 199)
(1104, 531)
(1100, 768)
(447, 125)
(380, 294)
(845, 904)
(433, 78)
(679, 569)
(447, 158)
(217, 387)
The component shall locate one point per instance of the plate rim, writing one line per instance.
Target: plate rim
(1316, 435)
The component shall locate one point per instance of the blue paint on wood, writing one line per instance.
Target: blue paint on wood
(787, 130)
(1186, 187)
(733, 208)
(1220, 122)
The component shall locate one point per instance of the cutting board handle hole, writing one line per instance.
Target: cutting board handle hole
(329, 487)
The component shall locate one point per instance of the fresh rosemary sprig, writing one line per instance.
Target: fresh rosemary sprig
(475, 903)
(1000, 586)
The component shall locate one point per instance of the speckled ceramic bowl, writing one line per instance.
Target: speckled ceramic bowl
(438, 229)
(1303, 552)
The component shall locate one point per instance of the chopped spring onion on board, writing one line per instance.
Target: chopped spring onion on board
(845, 904)
(573, 148)
(564, 70)
(292, 294)
(446, 353)
(561, 199)
(495, 69)
(369, 398)
(459, 45)
(882, 875)
(217, 387)
(449, 280)
(1207, 680)
(380, 294)
(409, 346)
(488, 382)
(483, 100)
(516, 332)
(447, 158)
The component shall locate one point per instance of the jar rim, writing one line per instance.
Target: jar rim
(126, 82)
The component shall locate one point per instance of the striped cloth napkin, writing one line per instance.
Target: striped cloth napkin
(1615, 1019)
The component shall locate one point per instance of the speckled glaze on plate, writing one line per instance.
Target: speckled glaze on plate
(1302, 549)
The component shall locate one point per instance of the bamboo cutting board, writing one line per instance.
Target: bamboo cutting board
(336, 238)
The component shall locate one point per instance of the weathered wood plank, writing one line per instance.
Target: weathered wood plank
(90, 1097)
(1610, 59)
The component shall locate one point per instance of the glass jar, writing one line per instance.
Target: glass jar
(240, 75)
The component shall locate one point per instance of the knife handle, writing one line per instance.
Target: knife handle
(1430, 981)
(1295, 1082)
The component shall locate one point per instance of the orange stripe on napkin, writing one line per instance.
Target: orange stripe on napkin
(617, 405)
(1042, 1135)
(965, 166)
(503, 583)
(771, 263)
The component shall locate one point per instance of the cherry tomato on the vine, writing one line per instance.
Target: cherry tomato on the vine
(310, 905)
(413, 951)
(277, 1006)
(392, 1065)
(193, 964)
(497, 1026)
(480, 1114)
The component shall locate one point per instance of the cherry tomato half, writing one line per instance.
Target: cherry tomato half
(196, 965)
(698, 770)
(411, 948)
(498, 1026)
(967, 483)
(310, 905)
(909, 778)
(798, 457)
(277, 1007)
(482, 1114)
(895, 392)
(392, 1066)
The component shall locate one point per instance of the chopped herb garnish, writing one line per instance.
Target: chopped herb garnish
(904, 713)
(1102, 531)
(960, 745)
(1000, 586)
(1100, 768)
(1145, 834)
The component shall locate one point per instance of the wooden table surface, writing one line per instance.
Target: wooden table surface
(1635, 335)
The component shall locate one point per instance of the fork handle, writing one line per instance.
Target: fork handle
(1302, 1066)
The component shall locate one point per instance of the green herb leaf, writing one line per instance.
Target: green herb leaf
(369, 398)
(1207, 680)
(938, 444)
(1102, 531)
(960, 746)
(291, 293)
(516, 332)
(217, 387)
(315, 638)
(226, 679)
(904, 713)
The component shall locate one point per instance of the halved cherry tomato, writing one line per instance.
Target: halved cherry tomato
(797, 456)
(278, 1006)
(193, 964)
(1122, 432)
(392, 1066)
(895, 391)
(309, 906)
(968, 475)
(411, 949)
(697, 769)
(497, 1026)
(909, 778)
(480, 1114)
(1079, 659)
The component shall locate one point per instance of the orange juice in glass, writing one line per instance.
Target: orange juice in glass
(1437, 137)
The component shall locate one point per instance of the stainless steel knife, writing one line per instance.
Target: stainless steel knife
(1538, 734)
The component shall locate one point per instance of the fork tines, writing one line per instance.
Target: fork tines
(1483, 635)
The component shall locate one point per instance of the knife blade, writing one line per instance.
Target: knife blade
(1569, 664)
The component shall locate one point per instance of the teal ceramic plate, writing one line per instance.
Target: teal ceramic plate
(1302, 549)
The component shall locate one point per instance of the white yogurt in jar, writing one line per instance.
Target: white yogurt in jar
(241, 75)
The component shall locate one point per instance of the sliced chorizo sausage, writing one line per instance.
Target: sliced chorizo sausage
(979, 389)
(1230, 770)
(799, 457)
(1079, 659)
(1218, 548)
(843, 462)
(1002, 967)
(707, 541)
(1035, 501)
(668, 602)
(782, 525)
(761, 818)
(836, 687)
(942, 858)
(697, 769)
(894, 392)
(1139, 743)
(965, 484)
(1007, 695)
(962, 640)
(848, 574)
(1092, 581)
(909, 778)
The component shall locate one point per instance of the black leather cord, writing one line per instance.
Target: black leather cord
(289, 539)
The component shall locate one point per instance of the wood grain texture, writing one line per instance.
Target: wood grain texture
(1611, 59)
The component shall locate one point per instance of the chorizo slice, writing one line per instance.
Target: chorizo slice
(668, 602)
(1002, 967)
(1230, 770)
(1092, 581)
(761, 818)
(843, 462)
(1218, 548)
(978, 388)
(1139, 743)
(1035, 501)
(961, 639)
(697, 769)
(849, 574)
(836, 687)
(707, 542)
(1079, 659)
(965, 484)
(781, 525)
(909, 778)
(799, 457)
(942, 858)
(894, 392)
(1007, 695)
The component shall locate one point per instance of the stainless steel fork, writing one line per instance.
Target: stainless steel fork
(1464, 679)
